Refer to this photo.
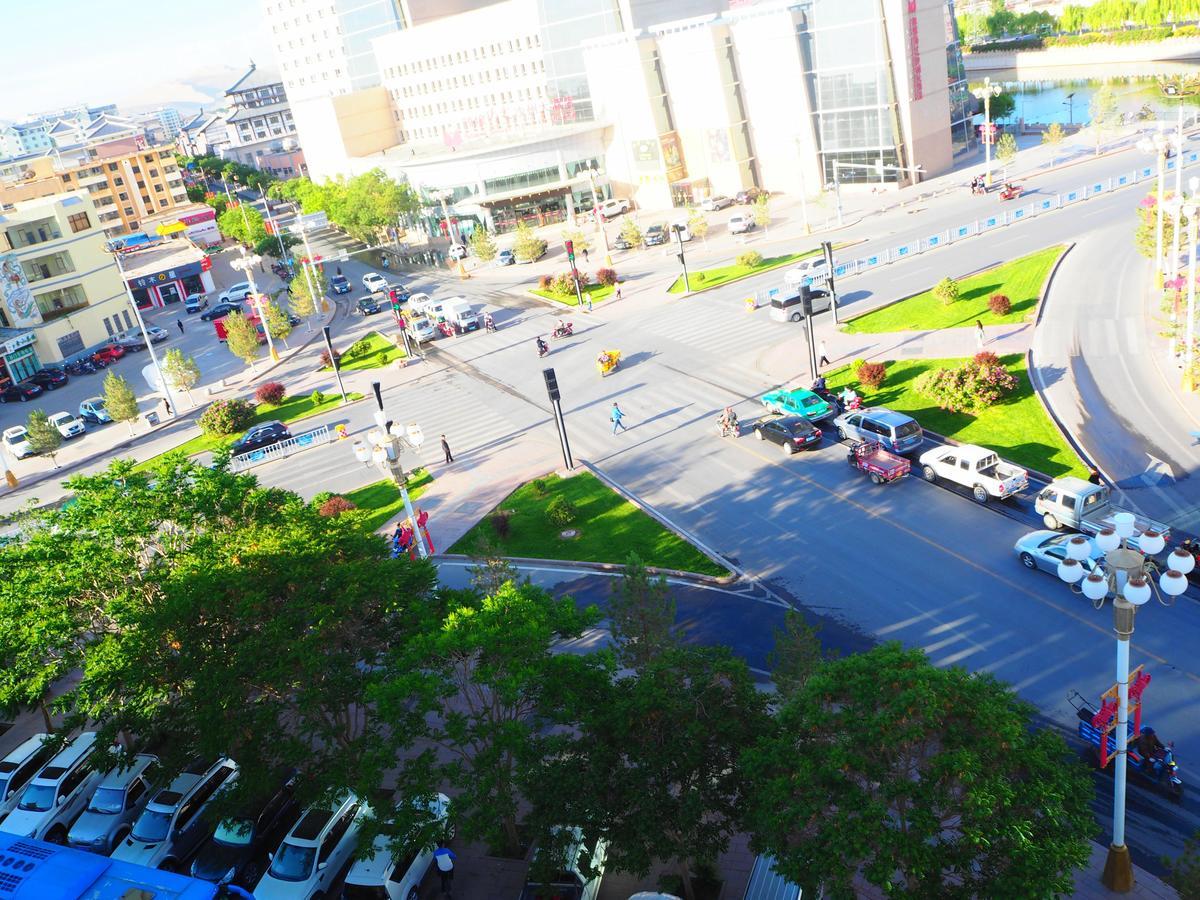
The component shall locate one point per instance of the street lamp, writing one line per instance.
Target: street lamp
(1070, 104)
(1157, 145)
(246, 266)
(592, 173)
(1127, 577)
(174, 411)
(1190, 210)
(304, 227)
(1173, 208)
(986, 93)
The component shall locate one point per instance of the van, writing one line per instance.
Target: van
(575, 853)
(57, 794)
(21, 764)
(459, 314)
(390, 874)
(790, 307)
(118, 800)
(814, 270)
(421, 303)
(895, 431)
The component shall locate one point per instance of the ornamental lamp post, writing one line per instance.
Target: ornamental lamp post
(1190, 211)
(592, 173)
(986, 93)
(246, 265)
(1127, 577)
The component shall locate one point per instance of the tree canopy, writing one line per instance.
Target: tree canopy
(366, 206)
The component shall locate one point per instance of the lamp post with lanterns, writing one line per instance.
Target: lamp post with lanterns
(1157, 144)
(986, 93)
(246, 266)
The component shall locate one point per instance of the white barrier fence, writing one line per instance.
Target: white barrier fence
(285, 448)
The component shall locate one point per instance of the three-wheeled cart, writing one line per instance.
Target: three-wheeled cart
(881, 465)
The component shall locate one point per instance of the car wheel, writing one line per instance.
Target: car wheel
(1050, 522)
(841, 433)
(413, 894)
(758, 433)
(1028, 561)
(788, 448)
(979, 492)
(24, 399)
(877, 479)
(796, 317)
(930, 475)
(169, 865)
(121, 834)
(57, 836)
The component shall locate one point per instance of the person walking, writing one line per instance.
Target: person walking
(585, 255)
(446, 450)
(824, 360)
(444, 857)
(618, 292)
(179, 323)
(616, 415)
(980, 337)
(587, 301)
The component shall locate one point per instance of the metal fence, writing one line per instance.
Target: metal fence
(283, 449)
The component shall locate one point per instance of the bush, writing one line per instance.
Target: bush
(871, 374)
(316, 398)
(335, 506)
(325, 363)
(540, 487)
(544, 282)
(321, 497)
(563, 285)
(606, 276)
(271, 392)
(946, 290)
(986, 358)
(697, 277)
(750, 259)
(500, 523)
(561, 511)
(971, 388)
(584, 279)
(226, 417)
(1000, 304)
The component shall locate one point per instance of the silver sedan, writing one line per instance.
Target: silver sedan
(1046, 549)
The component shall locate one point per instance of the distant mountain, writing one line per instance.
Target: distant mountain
(202, 88)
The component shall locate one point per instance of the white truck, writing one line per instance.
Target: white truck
(977, 468)
(1083, 506)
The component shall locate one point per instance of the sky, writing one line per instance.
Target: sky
(137, 55)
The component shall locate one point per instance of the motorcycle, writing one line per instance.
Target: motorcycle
(543, 348)
(79, 367)
(566, 329)
(98, 361)
(729, 428)
(1010, 192)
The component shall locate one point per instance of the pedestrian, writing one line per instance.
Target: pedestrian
(179, 322)
(446, 450)
(980, 338)
(824, 360)
(444, 857)
(587, 301)
(585, 256)
(618, 292)
(616, 415)
(1093, 475)
(166, 406)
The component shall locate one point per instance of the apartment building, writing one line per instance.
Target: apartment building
(258, 120)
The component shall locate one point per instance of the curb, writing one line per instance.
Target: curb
(611, 568)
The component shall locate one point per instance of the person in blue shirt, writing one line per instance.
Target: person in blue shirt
(444, 857)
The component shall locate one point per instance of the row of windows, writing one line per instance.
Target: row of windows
(496, 119)
(337, 73)
(449, 59)
(487, 100)
(471, 78)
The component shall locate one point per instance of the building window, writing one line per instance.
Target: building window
(129, 212)
(162, 202)
(118, 181)
(112, 167)
(158, 188)
(57, 303)
(79, 222)
(122, 196)
(154, 173)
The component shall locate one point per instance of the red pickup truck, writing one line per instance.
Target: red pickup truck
(219, 327)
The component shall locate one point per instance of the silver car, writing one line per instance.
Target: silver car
(119, 799)
(1046, 549)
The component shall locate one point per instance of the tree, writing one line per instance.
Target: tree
(304, 301)
(796, 656)
(762, 211)
(269, 245)
(632, 233)
(924, 782)
(243, 223)
(1185, 870)
(241, 337)
(277, 321)
(697, 223)
(1103, 110)
(1006, 149)
(43, 437)
(1054, 134)
(482, 244)
(641, 615)
(581, 239)
(181, 370)
(120, 400)
(196, 193)
(527, 246)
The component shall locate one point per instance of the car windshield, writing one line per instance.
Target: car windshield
(293, 863)
(234, 832)
(96, 404)
(107, 801)
(37, 798)
(907, 429)
(813, 401)
(152, 826)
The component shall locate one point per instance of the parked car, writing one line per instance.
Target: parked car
(68, 426)
(312, 855)
(797, 402)
(195, 302)
(790, 308)
(264, 435)
(93, 411)
(977, 468)
(815, 269)
(110, 353)
(1046, 549)
(130, 341)
(235, 293)
(740, 224)
(157, 335)
(505, 258)
(174, 823)
(120, 797)
(458, 251)
(749, 195)
(369, 305)
(57, 794)
(569, 880)
(792, 433)
(339, 284)
(390, 876)
(716, 204)
(234, 852)
(680, 232)
(16, 441)
(655, 235)
(23, 391)
(49, 378)
(21, 764)
(220, 311)
(1083, 506)
(613, 207)
(373, 281)
(620, 243)
(897, 432)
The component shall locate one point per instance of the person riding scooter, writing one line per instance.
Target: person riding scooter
(543, 347)
(849, 397)
(489, 324)
(818, 385)
(1149, 747)
(728, 422)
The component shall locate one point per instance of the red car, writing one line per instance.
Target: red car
(110, 353)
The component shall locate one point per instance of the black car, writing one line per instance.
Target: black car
(792, 433)
(264, 435)
(368, 306)
(294, 319)
(621, 244)
(23, 391)
(750, 195)
(339, 284)
(235, 852)
(655, 235)
(220, 311)
(50, 378)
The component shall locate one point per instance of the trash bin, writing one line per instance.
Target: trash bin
(151, 418)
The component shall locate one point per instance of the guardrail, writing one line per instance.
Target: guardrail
(283, 449)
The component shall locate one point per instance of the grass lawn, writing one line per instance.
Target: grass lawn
(609, 528)
(597, 293)
(381, 500)
(372, 351)
(1020, 280)
(704, 279)
(1018, 429)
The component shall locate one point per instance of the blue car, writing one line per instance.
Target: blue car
(506, 258)
(339, 284)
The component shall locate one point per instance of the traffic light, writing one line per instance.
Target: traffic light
(679, 256)
(551, 383)
(570, 245)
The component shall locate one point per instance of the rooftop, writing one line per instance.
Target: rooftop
(159, 258)
(253, 79)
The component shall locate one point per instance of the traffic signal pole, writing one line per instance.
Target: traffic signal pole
(687, 288)
(570, 248)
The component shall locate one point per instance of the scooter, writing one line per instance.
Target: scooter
(566, 329)
(80, 367)
(729, 429)
(543, 348)
(98, 361)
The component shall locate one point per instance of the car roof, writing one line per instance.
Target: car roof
(173, 794)
(121, 777)
(887, 416)
(68, 756)
(91, 400)
(374, 870)
(22, 752)
(1071, 483)
(15, 429)
(802, 421)
(55, 415)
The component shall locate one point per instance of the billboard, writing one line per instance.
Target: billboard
(18, 298)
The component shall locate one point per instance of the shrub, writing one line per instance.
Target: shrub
(500, 523)
(606, 276)
(335, 506)
(986, 358)
(750, 259)
(856, 365)
(561, 511)
(316, 398)
(544, 282)
(871, 374)
(946, 290)
(972, 387)
(563, 285)
(584, 279)
(271, 392)
(321, 497)
(226, 417)
(540, 487)
(697, 277)
(325, 363)
(1000, 304)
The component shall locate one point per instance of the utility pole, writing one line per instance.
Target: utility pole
(827, 248)
(333, 362)
(552, 391)
(678, 229)
(570, 248)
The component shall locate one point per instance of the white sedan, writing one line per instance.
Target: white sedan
(68, 426)
(373, 281)
(1046, 549)
(740, 224)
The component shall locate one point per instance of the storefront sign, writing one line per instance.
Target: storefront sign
(21, 340)
(914, 52)
(672, 154)
(18, 299)
(645, 154)
(173, 228)
(174, 274)
(197, 217)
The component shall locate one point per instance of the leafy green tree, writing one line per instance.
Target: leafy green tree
(277, 321)
(269, 245)
(1104, 112)
(120, 400)
(304, 299)
(946, 291)
(482, 244)
(527, 246)
(697, 223)
(1006, 149)
(181, 370)
(1054, 134)
(1002, 106)
(196, 193)
(241, 336)
(1185, 870)
(762, 211)
(641, 615)
(923, 781)
(234, 220)
(43, 437)
(632, 233)
(582, 239)
(796, 656)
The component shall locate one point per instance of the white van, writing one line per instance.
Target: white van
(458, 312)
(421, 303)
(21, 765)
(57, 795)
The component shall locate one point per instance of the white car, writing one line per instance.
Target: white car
(390, 877)
(312, 855)
(614, 207)
(570, 880)
(57, 794)
(458, 251)
(68, 426)
(421, 303)
(16, 441)
(807, 271)
(716, 204)
(235, 293)
(740, 224)
(373, 281)
(1044, 550)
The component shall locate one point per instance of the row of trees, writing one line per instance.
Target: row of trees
(193, 607)
(367, 207)
(1104, 15)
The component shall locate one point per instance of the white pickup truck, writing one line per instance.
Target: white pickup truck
(977, 468)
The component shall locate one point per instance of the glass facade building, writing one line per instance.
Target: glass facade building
(565, 25)
(962, 134)
(360, 22)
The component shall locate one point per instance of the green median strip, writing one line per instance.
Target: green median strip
(597, 293)
(703, 279)
(380, 502)
(372, 351)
